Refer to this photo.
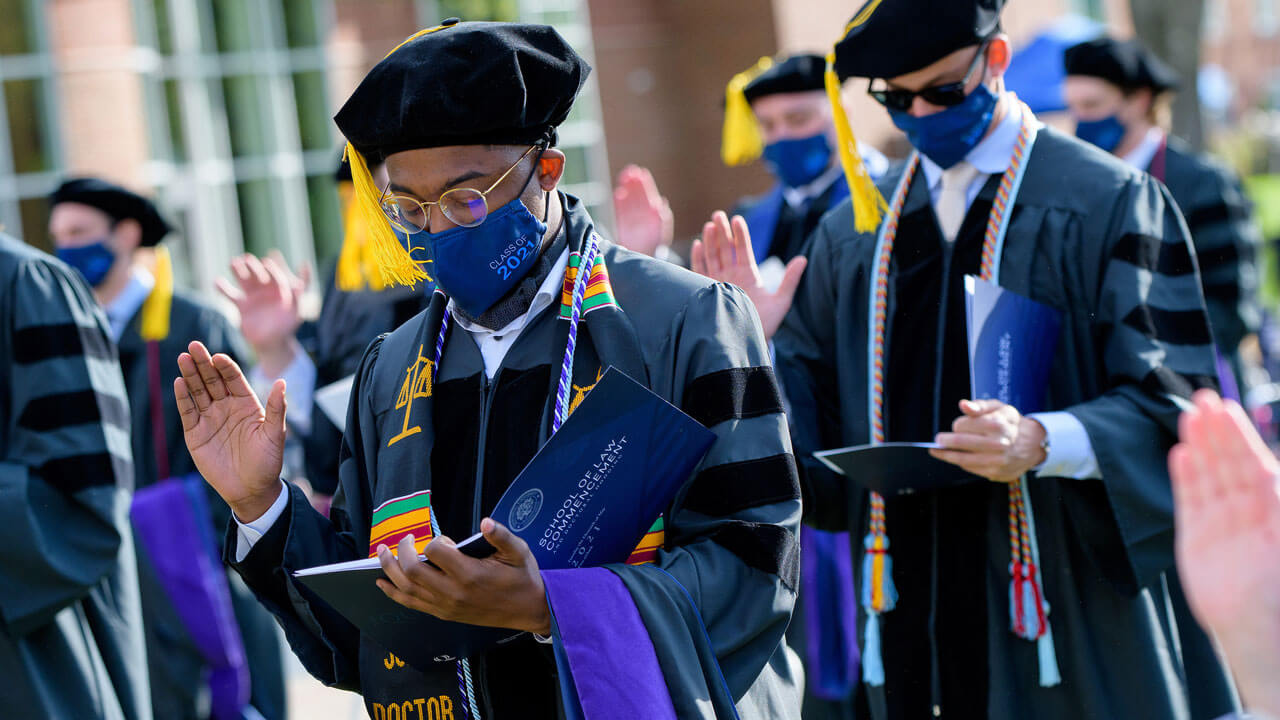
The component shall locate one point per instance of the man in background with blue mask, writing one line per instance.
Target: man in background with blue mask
(1119, 93)
(789, 126)
(112, 236)
(1038, 585)
(449, 407)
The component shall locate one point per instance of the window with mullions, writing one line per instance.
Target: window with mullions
(582, 134)
(239, 117)
(29, 151)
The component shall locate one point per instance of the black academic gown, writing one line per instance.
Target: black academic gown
(72, 644)
(1103, 244)
(730, 537)
(348, 322)
(1226, 240)
(176, 667)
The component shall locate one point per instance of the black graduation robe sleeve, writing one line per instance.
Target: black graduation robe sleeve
(66, 474)
(805, 349)
(325, 642)
(1153, 336)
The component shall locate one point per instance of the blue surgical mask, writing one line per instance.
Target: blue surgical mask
(93, 261)
(946, 137)
(476, 266)
(1105, 133)
(799, 162)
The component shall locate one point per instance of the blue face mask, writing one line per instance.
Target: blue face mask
(1105, 133)
(946, 137)
(93, 261)
(476, 266)
(799, 162)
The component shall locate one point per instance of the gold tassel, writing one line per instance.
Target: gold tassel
(869, 205)
(155, 309)
(741, 141)
(394, 263)
(378, 246)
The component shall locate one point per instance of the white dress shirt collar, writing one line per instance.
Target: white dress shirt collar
(125, 305)
(1141, 156)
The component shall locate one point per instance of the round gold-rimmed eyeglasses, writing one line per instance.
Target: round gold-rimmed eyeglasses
(462, 205)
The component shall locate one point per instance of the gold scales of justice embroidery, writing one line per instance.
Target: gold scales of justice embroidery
(418, 384)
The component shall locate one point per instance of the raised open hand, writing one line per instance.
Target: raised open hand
(725, 253)
(1227, 510)
(644, 217)
(237, 445)
(266, 293)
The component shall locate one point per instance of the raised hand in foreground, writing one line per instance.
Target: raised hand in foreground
(237, 445)
(725, 253)
(1226, 497)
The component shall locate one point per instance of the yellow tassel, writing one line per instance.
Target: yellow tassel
(869, 205)
(742, 141)
(356, 267)
(155, 309)
(374, 255)
(395, 265)
(877, 577)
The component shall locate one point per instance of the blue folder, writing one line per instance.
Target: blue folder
(585, 499)
(1012, 340)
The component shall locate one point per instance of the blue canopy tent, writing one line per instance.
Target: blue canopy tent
(1036, 71)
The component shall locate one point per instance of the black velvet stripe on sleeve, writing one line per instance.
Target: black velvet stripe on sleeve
(732, 487)
(1177, 327)
(1213, 257)
(73, 473)
(732, 394)
(1152, 253)
(1218, 212)
(1162, 380)
(44, 342)
(1227, 292)
(765, 547)
(81, 407)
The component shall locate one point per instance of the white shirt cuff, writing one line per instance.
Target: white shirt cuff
(544, 639)
(300, 383)
(1070, 451)
(248, 534)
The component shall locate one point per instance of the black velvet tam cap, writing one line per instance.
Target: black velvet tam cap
(465, 83)
(888, 38)
(797, 73)
(1126, 63)
(118, 202)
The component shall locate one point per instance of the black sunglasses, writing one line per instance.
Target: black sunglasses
(946, 95)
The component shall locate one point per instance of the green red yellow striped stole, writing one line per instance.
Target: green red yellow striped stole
(647, 550)
(397, 517)
(599, 292)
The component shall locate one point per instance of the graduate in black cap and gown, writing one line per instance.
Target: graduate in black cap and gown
(465, 115)
(113, 237)
(72, 645)
(1038, 589)
(1119, 93)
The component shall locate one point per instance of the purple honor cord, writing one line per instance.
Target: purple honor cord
(470, 708)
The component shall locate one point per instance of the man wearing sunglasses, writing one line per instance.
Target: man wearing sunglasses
(448, 408)
(1037, 588)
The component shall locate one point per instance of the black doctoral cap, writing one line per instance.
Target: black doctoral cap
(115, 201)
(1126, 63)
(459, 83)
(888, 38)
(796, 73)
(465, 83)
